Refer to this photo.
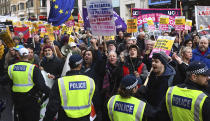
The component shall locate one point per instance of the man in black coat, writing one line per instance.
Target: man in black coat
(159, 80)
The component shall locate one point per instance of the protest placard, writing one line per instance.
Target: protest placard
(132, 25)
(180, 23)
(164, 21)
(42, 31)
(151, 25)
(107, 38)
(163, 43)
(101, 18)
(24, 30)
(50, 32)
(202, 18)
(188, 24)
(5, 35)
(70, 22)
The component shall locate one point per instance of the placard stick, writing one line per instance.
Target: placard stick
(147, 79)
(54, 49)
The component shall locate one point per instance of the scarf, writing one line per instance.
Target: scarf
(1, 51)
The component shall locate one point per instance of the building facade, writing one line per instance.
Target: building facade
(4, 7)
(126, 5)
(29, 9)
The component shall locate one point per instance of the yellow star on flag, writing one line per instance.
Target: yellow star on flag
(56, 7)
(61, 11)
(54, 0)
(66, 12)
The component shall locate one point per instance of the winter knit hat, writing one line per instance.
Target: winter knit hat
(161, 56)
(47, 46)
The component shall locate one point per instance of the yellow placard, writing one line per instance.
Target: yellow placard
(180, 20)
(6, 37)
(164, 43)
(188, 22)
(35, 26)
(49, 30)
(71, 39)
(107, 38)
(69, 30)
(164, 19)
(28, 23)
(132, 25)
(150, 22)
(18, 24)
(64, 29)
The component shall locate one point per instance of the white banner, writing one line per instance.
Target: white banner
(101, 18)
(202, 17)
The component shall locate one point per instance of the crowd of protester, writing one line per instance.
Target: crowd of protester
(108, 61)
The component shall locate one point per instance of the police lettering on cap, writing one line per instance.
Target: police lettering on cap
(75, 60)
(198, 68)
(129, 82)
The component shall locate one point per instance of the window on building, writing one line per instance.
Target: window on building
(21, 6)
(43, 3)
(14, 8)
(29, 4)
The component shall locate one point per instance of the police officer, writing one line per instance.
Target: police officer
(189, 101)
(27, 83)
(71, 95)
(126, 107)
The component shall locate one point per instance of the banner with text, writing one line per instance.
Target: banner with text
(143, 14)
(202, 17)
(101, 18)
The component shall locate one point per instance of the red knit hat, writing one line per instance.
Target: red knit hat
(47, 46)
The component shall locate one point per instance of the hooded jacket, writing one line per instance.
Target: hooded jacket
(157, 87)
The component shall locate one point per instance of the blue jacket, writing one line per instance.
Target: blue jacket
(198, 57)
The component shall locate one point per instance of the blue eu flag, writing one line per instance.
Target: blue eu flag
(60, 11)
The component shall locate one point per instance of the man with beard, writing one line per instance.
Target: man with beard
(202, 52)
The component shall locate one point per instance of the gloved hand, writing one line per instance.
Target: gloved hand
(142, 90)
